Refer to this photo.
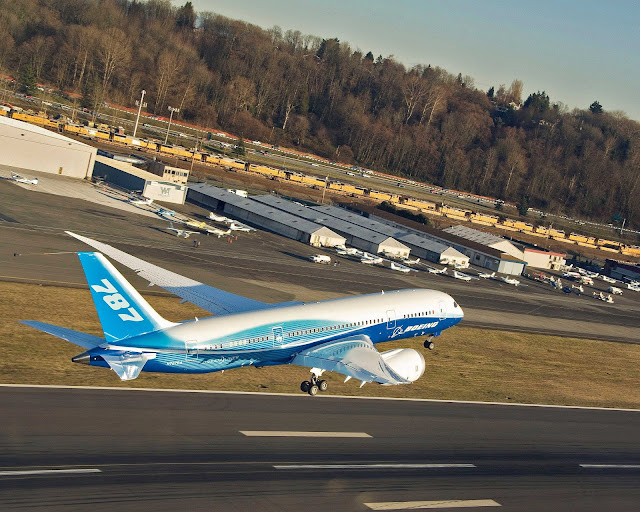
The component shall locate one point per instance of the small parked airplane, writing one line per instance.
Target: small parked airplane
(432, 270)
(614, 290)
(218, 218)
(485, 275)
(409, 261)
(462, 276)
(182, 233)
(608, 279)
(400, 268)
(207, 230)
(336, 335)
(511, 280)
(166, 214)
(370, 259)
(21, 179)
(239, 226)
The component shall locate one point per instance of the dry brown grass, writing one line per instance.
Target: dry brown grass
(468, 364)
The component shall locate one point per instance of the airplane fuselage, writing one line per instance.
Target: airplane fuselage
(274, 335)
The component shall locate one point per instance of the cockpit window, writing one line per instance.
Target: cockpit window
(455, 304)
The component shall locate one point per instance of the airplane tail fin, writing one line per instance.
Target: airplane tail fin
(122, 311)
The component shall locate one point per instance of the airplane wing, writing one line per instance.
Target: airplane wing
(214, 300)
(356, 357)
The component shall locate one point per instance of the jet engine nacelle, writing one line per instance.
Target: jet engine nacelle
(406, 362)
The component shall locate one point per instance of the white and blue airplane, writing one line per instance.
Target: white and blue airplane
(336, 335)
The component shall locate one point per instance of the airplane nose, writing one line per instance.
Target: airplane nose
(458, 309)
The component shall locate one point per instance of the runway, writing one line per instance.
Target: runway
(159, 450)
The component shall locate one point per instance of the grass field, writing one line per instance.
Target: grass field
(467, 364)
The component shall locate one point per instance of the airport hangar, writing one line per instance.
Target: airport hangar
(421, 246)
(356, 236)
(127, 176)
(478, 254)
(33, 148)
(533, 256)
(263, 216)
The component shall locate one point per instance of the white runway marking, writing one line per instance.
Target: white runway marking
(373, 466)
(292, 433)
(610, 466)
(415, 505)
(301, 396)
(48, 472)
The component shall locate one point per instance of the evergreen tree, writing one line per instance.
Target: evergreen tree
(186, 16)
(490, 93)
(523, 205)
(27, 80)
(596, 108)
(239, 149)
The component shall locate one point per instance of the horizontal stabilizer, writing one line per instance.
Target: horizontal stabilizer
(82, 339)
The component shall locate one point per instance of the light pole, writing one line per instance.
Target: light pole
(172, 110)
(140, 105)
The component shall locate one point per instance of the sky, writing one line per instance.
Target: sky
(577, 51)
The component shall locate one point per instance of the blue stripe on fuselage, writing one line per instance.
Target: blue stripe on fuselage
(205, 361)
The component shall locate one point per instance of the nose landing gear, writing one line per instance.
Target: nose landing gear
(314, 385)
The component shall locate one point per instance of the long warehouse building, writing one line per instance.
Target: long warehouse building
(356, 236)
(263, 216)
(421, 246)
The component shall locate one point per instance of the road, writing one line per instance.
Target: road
(158, 450)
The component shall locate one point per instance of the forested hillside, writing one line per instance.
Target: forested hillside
(293, 89)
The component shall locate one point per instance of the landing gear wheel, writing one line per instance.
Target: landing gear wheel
(429, 344)
(323, 385)
(313, 390)
(304, 386)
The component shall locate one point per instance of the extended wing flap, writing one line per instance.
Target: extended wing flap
(214, 300)
(355, 357)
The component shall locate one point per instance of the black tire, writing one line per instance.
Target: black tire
(429, 344)
(313, 390)
(323, 385)
(304, 386)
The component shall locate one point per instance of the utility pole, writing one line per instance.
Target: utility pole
(172, 110)
(140, 105)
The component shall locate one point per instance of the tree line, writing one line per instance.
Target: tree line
(292, 89)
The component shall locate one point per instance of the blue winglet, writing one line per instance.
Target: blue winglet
(122, 311)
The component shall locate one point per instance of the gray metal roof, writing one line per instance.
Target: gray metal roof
(404, 235)
(474, 235)
(258, 208)
(334, 223)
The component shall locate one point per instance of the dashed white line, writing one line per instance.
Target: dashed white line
(372, 466)
(416, 505)
(293, 433)
(49, 472)
(610, 466)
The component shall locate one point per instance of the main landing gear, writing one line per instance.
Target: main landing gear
(429, 344)
(314, 385)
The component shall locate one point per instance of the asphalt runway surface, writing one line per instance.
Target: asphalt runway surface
(101, 449)
(271, 268)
